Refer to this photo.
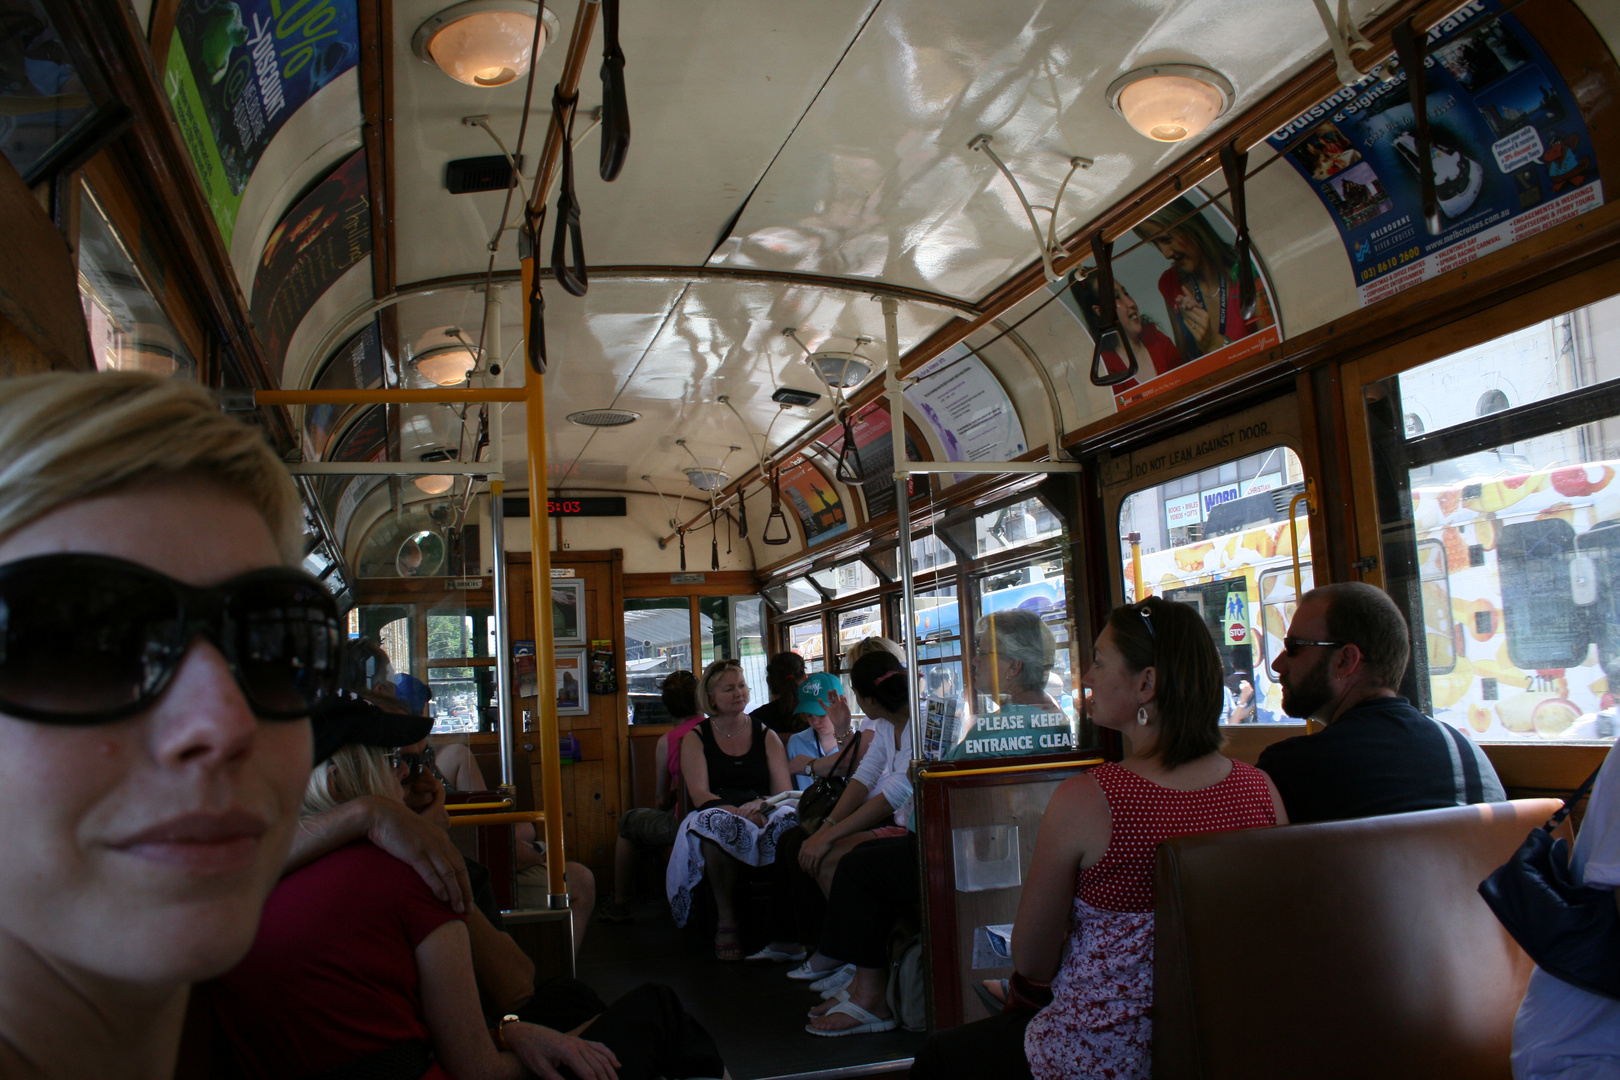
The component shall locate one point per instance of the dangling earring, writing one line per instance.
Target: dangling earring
(1141, 716)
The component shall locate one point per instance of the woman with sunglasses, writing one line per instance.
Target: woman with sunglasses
(1080, 1000)
(159, 656)
(730, 763)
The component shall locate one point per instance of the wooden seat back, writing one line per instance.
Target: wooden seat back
(1343, 949)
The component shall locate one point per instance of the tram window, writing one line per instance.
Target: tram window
(732, 628)
(1530, 365)
(1277, 604)
(847, 579)
(657, 642)
(1014, 526)
(939, 624)
(129, 330)
(800, 594)
(1523, 504)
(930, 553)
(887, 561)
(43, 97)
(805, 638)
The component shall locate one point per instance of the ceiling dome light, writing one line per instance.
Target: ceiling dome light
(434, 485)
(1170, 102)
(707, 479)
(484, 42)
(841, 369)
(446, 365)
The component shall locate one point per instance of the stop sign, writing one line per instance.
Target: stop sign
(1237, 632)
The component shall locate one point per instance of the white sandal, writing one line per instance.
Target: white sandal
(866, 1022)
(774, 956)
(836, 995)
(836, 979)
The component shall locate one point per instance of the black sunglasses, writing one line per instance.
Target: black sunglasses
(414, 763)
(89, 639)
(1292, 645)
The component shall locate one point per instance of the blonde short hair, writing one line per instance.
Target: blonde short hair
(869, 645)
(70, 436)
(353, 771)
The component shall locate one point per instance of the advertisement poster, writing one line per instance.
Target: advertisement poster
(875, 446)
(523, 669)
(572, 697)
(237, 69)
(1511, 154)
(967, 408)
(315, 244)
(1176, 297)
(820, 510)
(358, 365)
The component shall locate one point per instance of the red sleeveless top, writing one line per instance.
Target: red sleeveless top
(1144, 814)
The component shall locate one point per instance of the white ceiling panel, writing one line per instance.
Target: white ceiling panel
(878, 180)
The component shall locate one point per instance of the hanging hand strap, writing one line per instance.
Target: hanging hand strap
(682, 534)
(1235, 165)
(1575, 797)
(1409, 46)
(1107, 316)
(776, 514)
(714, 541)
(615, 106)
(850, 452)
(742, 514)
(529, 248)
(568, 231)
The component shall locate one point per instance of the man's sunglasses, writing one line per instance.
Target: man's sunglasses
(1292, 645)
(414, 763)
(89, 639)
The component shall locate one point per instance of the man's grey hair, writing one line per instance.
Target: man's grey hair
(1022, 636)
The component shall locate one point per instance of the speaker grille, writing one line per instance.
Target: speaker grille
(604, 417)
(465, 176)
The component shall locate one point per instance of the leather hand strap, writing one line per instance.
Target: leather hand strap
(573, 279)
(615, 106)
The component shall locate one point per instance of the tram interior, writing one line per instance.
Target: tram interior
(808, 232)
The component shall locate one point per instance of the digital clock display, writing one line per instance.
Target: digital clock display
(599, 506)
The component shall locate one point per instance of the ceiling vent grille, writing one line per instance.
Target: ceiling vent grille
(466, 176)
(604, 417)
(787, 395)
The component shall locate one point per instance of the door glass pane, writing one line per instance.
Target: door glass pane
(461, 634)
(939, 625)
(463, 699)
(657, 642)
(1219, 539)
(129, 330)
(392, 628)
(732, 628)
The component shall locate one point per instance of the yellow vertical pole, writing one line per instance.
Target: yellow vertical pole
(534, 404)
(1136, 566)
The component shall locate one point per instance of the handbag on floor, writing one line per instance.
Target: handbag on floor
(1571, 931)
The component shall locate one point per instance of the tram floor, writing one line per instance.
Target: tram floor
(754, 1012)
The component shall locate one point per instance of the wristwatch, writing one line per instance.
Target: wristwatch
(810, 768)
(500, 1031)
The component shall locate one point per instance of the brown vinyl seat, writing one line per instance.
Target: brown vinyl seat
(1343, 949)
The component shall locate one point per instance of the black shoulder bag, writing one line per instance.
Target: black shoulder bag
(821, 796)
(1571, 931)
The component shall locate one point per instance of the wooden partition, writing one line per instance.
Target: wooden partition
(965, 796)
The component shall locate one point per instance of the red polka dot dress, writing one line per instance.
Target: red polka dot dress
(1100, 1023)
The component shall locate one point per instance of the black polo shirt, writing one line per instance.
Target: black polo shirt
(1381, 757)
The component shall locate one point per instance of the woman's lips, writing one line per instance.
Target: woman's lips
(201, 843)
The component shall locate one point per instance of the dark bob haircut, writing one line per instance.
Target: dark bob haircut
(1173, 639)
(882, 678)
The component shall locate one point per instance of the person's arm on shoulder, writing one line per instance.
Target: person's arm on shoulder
(776, 758)
(504, 972)
(394, 827)
(1076, 820)
(663, 798)
(450, 1007)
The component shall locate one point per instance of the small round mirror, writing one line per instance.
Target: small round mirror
(421, 555)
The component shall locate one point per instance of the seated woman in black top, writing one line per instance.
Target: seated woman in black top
(729, 764)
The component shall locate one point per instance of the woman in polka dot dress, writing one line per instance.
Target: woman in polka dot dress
(1081, 999)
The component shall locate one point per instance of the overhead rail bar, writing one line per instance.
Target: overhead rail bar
(1047, 245)
(920, 467)
(1003, 770)
(480, 469)
(442, 395)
